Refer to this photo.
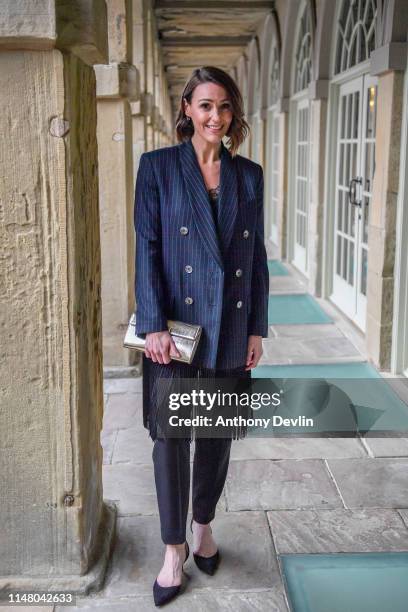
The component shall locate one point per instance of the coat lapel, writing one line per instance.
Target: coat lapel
(200, 203)
(199, 200)
(228, 198)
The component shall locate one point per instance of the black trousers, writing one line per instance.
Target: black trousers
(171, 458)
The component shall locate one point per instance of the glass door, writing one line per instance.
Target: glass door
(354, 175)
(273, 174)
(302, 183)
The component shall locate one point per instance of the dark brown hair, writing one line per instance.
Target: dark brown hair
(238, 129)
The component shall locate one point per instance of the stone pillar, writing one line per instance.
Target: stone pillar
(117, 85)
(139, 134)
(138, 59)
(382, 219)
(283, 178)
(56, 532)
(318, 93)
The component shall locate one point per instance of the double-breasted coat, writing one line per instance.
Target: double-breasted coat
(190, 270)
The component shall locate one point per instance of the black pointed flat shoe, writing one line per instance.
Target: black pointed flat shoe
(208, 565)
(163, 595)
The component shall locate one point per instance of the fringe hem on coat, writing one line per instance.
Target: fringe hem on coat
(153, 372)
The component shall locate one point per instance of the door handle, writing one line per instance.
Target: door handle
(353, 191)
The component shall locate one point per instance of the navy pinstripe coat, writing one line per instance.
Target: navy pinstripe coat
(184, 271)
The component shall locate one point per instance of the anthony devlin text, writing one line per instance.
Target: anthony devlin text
(240, 421)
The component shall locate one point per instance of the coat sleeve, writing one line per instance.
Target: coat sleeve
(258, 319)
(149, 285)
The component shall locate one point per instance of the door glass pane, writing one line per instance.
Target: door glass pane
(338, 258)
(340, 210)
(353, 170)
(302, 177)
(363, 283)
(364, 212)
(345, 256)
(371, 112)
(343, 104)
(351, 265)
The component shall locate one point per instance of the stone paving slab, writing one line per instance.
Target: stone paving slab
(266, 359)
(122, 410)
(279, 485)
(296, 448)
(123, 385)
(248, 557)
(403, 512)
(29, 608)
(330, 348)
(340, 530)
(388, 447)
(295, 350)
(311, 330)
(285, 284)
(372, 483)
(272, 600)
(132, 488)
(133, 445)
(108, 438)
(291, 349)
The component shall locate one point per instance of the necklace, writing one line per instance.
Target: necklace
(214, 192)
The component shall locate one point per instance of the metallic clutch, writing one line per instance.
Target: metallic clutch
(185, 336)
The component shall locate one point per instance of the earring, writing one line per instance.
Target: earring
(188, 118)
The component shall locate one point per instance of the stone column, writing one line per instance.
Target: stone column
(382, 218)
(55, 530)
(283, 106)
(318, 94)
(117, 85)
(138, 59)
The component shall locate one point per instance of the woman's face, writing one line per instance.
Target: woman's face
(210, 111)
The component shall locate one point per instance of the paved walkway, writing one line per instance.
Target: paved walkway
(282, 495)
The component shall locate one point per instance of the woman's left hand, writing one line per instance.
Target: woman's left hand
(254, 351)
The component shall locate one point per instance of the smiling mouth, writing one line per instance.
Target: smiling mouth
(215, 128)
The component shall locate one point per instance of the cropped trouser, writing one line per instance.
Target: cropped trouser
(171, 458)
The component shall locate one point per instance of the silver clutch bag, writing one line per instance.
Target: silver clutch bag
(185, 336)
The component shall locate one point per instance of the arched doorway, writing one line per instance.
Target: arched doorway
(254, 115)
(270, 94)
(354, 131)
(300, 139)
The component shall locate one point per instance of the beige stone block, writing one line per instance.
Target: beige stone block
(376, 245)
(395, 130)
(378, 342)
(388, 138)
(156, 118)
(119, 30)
(82, 29)
(380, 298)
(117, 80)
(21, 27)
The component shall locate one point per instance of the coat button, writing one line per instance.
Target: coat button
(245, 233)
(238, 272)
(239, 304)
(188, 269)
(189, 300)
(183, 230)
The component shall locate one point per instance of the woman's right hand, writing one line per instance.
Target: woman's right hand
(160, 347)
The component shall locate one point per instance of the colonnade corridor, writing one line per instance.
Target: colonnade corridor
(87, 87)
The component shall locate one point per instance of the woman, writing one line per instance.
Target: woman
(200, 258)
